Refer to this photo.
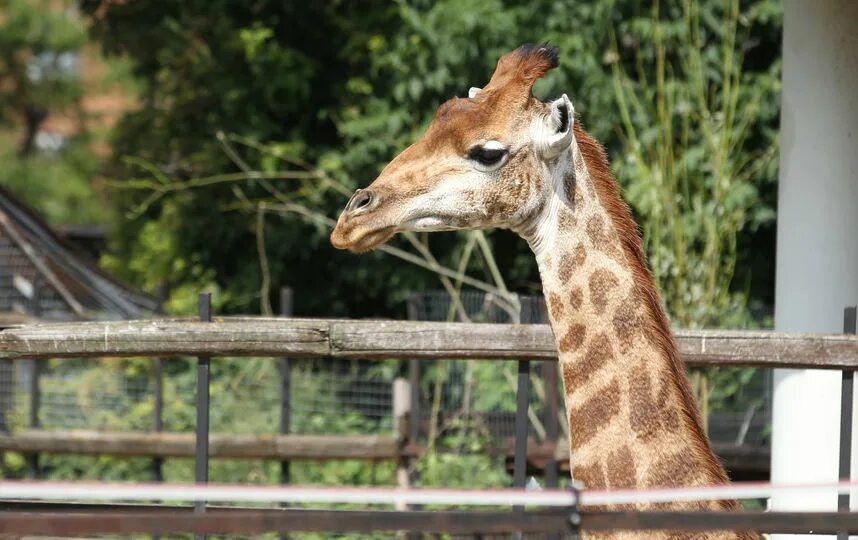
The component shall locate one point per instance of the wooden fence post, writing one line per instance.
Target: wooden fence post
(401, 408)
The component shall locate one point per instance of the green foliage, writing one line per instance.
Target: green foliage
(697, 148)
(59, 186)
(40, 43)
(37, 46)
(245, 106)
(346, 93)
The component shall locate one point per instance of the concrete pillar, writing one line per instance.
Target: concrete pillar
(817, 251)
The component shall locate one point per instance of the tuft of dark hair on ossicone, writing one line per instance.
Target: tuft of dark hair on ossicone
(544, 50)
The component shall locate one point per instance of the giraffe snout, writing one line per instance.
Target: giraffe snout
(359, 227)
(362, 200)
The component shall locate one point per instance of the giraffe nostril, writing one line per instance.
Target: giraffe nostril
(361, 200)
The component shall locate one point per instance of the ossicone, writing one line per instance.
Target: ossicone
(521, 68)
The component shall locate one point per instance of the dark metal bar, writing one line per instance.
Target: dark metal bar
(158, 415)
(285, 390)
(158, 382)
(285, 383)
(250, 521)
(201, 468)
(552, 424)
(847, 387)
(768, 522)
(163, 520)
(521, 421)
(35, 408)
(7, 389)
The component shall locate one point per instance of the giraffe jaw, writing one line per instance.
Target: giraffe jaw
(362, 242)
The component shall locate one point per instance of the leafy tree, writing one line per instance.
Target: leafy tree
(345, 94)
(41, 42)
(38, 61)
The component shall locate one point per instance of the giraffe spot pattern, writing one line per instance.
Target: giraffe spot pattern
(592, 475)
(576, 298)
(578, 372)
(602, 283)
(573, 338)
(645, 411)
(555, 305)
(569, 262)
(593, 415)
(670, 418)
(568, 220)
(569, 185)
(596, 230)
(628, 323)
(598, 234)
(673, 470)
(622, 472)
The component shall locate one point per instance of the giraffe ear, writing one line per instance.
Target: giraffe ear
(552, 132)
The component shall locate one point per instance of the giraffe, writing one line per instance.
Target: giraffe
(502, 158)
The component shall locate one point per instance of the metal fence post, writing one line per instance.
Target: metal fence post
(847, 387)
(552, 423)
(522, 403)
(7, 387)
(285, 383)
(35, 407)
(158, 416)
(158, 375)
(201, 464)
(521, 421)
(285, 391)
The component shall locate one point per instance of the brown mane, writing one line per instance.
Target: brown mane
(609, 195)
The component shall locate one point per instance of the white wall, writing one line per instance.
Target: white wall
(817, 252)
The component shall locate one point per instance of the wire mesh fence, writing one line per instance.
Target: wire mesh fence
(22, 290)
(469, 396)
(465, 406)
(325, 397)
(737, 405)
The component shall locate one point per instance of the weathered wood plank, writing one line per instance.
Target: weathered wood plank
(274, 447)
(249, 336)
(428, 340)
(168, 337)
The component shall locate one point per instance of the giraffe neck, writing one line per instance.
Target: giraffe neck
(633, 421)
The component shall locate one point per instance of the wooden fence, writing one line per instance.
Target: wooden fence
(331, 338)
(364, 339)
(350, 339)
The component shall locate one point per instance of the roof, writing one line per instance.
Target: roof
(42, 275)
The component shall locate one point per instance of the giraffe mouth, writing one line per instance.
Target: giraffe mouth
(358, 241)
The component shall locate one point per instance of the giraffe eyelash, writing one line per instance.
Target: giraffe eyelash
(489, 156)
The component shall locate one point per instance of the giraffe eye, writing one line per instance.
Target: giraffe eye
(487, 156)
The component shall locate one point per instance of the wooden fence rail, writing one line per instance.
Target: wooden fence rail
(274, 337)
(165, 445)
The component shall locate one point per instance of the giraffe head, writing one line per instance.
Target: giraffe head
(485, 161)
